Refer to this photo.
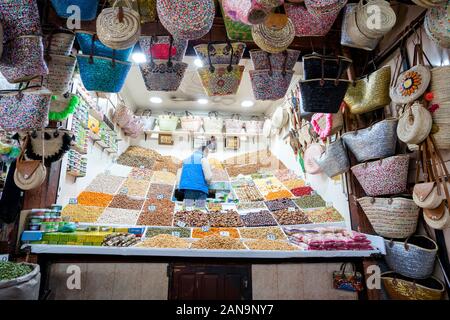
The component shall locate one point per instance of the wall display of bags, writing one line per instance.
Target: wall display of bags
(62, 106)
(192, 123)
(412, 258)
(24, 109)
(168, 122)
(88, 8)
(262, 60)
(213, 123)
(334, 160)
(160, 46)
(23, 59)
(19, 18)
(273, 40)
(162, 75)
(85, 38)
(414, 124)
(254, 126)
(59, 41)
(436, 19)
(119, 27)
(219, 53)
(375, 142)
(351, 36)
(391, 217)
(182, 22)
(399, 287)
(369, 93)
(327, 124)
(383, 177)
(234, 125)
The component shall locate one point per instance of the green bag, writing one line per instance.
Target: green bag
(236, 30)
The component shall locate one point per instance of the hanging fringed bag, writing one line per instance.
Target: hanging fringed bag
(63, 106)
(57, 143)
(327, 124)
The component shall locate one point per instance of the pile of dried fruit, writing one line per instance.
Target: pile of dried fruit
(94, 199)
(228, 218)
(272, 233)
(141, 173)
(248, 194)
(280, 204)
(258, 219)
(302, 191)
(234, 171)
(105, 183)
(194, 218)
(257, 205)
(120, 240)
(79, 213)
(164, 177)
(224, 232)
(169, 164)
(285, 175)
(159, 191)
(157, 213)
(135, 187)
(273, 195)
(269, 245)
(218, 242)
(292, 184)
(124, 202)
(286, 217)
(164, 241)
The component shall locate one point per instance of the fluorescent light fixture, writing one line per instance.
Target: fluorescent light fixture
(138, 57)
(247, 103)
(202, 101)
(198, 63)
(155, 100)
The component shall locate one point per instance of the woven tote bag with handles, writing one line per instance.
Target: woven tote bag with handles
(327, 124)
(234, 125)
(190, 122)
(219, 53)
(168, 122)
(383, 177)
(84, 39)
(312, 152)
(436, 25)
(213, 123)
(29, 174)
(412, 258)
(59, 41)
(145, 8)
(394, 218)
(160, 46)
(386, 16)
(261, 59)
(60, 73)
(399, 287)
(237, 31)
(351, 35)
(375, 142)
(334, 161)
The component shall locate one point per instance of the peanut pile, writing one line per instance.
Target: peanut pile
(164, 241)
(218, 242)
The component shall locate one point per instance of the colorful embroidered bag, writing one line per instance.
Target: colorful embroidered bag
(84, 39)
(19, 18)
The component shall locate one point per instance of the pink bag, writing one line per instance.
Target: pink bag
(122, 116)
(245, 11)
(307, 24)
(383, 177)
(134, 128)
(191, 122)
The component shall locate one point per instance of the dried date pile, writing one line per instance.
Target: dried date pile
(258, 219)
(286, 217)
(194, 218)
(228, 218)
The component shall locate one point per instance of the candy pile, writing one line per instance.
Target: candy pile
(120, 240)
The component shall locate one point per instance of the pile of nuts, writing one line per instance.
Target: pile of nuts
(176, 232)
(167, 164)
(218, 242)
(269, 245)
(258, 219)
(124, 202)
(234, 171)
(294, 183)
(164, 241)
(135, 187)
(120, 240)
(285, 175)
(160, 191)
(79, 213)
(262, 233)
(228, 218)
(286, 217)
(257, 205)
(194, 218)
(224, 232)
(248, 194)
(139, 157)
(141, 173)
(324, 215)
(280, 204)
(119, 216)
(219, 175)
(157, 213)
(313, 201)
(164, 177)
(105, 183)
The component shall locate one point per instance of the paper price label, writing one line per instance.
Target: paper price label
(291, 209)
(73, 201)
(329, 204)
(4, 257)
(151, 208)
(271, 236)
(124, 191)
(224, 233)
(160, 197)
(205, 228)
(189, 208)
(176, 233)
(181, 224)
(141, 167)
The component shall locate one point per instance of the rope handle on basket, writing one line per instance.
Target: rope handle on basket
(444, 175)
(92, 53)
(344, 266)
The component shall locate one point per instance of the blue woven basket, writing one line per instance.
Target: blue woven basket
(85, 41)
(88, 8)
(102, 74)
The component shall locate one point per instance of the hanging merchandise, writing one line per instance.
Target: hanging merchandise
(48, 144)
(19, 18)
(59, 41)
(327, 124)
(414, 124)
(190, 122)
(23, 59)
(369, 93)
(219, 53)
(318, 7)
(220, 79)
(60, 73)
(348, 280)
(273, 40)
(440, 77)
(307, 24)
(24, 109)
(134, 128)
(383, 177)
(88, 8)
(234, 125)
(267, 128)
(122, 116)
(1, 39)
(429, 3)
(62, 106)
(276, 20)
(436, 25)
(351, 35)
(386, 18)
(160, 45)
(410, 85)
(263, 60)
(254, 126)
(168, 122)
(280, 118)
(213, 124)
(245, 11)
(187, 20)
(119, 28)
(375, 142)
(334, 161)
(100, 73)
(414, 258)
(29, 174)
(312, 152)
(162, 75)
(236, 30)
(148, 120)
(391, 217)
(332, 67)
(146, 8)
(85, 38)
(399, 287)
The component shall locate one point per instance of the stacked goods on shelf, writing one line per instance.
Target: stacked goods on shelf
(76, 164)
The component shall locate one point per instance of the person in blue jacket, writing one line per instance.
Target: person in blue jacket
(195, 175)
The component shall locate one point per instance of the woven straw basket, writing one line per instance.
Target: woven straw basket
(391, 217)
(60, 73)
(399, 287)
(441, 121)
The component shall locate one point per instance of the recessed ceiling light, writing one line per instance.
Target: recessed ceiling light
(155, 100)
(198, 63)
(202, 101)
(139, 57)
(247, 103)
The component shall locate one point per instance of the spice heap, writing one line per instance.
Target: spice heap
(258, 219)
(141, 173)
(194, 218)
(266, 244)
(302, 191)
(286, 216)
(139, 157)
(280, 204)
(164, 241)
(312, 201)
(120, 240)
(125, 202)
(11, 270)
(176, 232)
(159, 191)
(79, 213)
(215, 163)
(157, 213)
(119, 216)
(164, 177)
(234, 171)
(224, 232)
(271, 188)
(271, 233)
(248, 194)
(324, 215)
(105, 183)
(95, 199)
(135, 187)
(229, 218)
(218, 242)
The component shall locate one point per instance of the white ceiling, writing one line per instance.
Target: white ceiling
(137, 97)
